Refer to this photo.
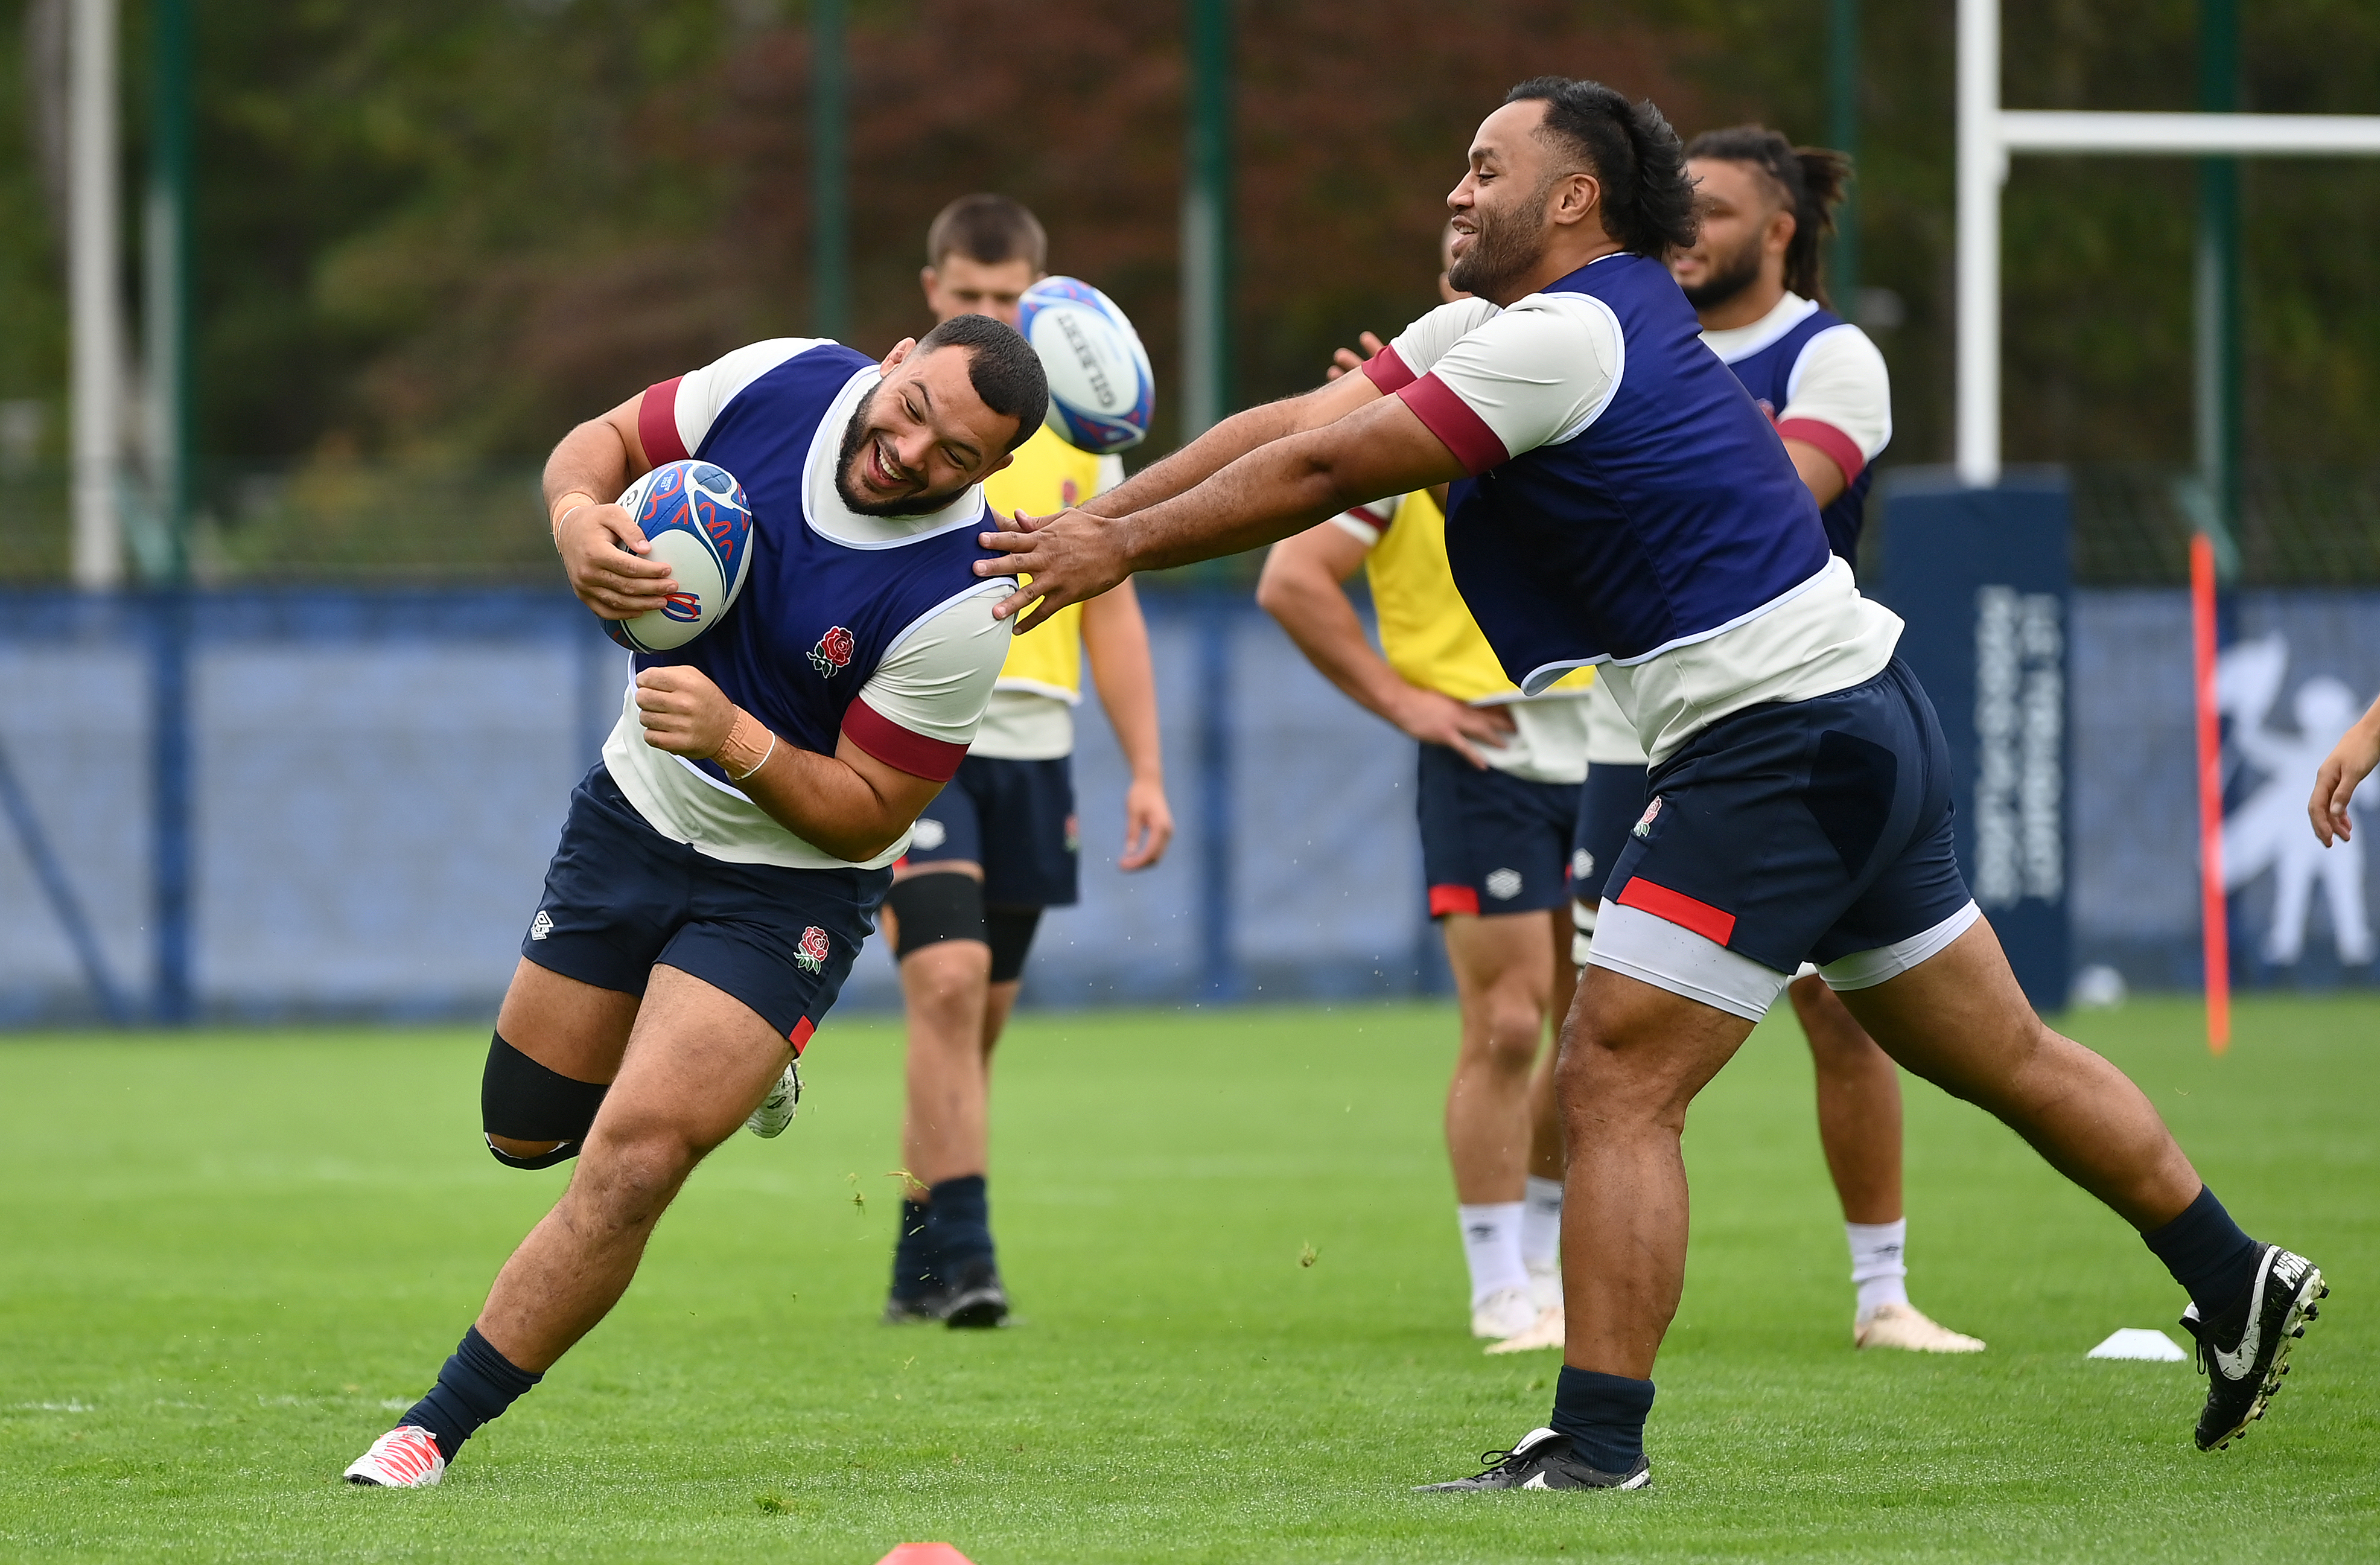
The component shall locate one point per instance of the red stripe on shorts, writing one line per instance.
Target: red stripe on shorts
(1678, 908)
(800, 1036)
(1444, 900)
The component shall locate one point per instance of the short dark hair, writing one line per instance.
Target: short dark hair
(1809, 182)
(1002, 366)
(990, 229)
(1649, 202)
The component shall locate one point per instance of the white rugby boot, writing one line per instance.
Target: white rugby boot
(776, 1110)
(1905, 1326)
(405, 1458)
(1547, 1331)
(1505, 1313)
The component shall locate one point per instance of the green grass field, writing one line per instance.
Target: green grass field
(224, 1259)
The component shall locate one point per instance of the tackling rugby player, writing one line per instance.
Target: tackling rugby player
(1619, 499)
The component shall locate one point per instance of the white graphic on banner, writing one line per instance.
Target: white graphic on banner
(2020, 746)
(2268, 830)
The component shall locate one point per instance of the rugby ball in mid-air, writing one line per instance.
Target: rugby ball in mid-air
(1102, 394)
(695, 515)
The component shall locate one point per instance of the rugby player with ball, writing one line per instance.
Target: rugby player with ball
(718, 868)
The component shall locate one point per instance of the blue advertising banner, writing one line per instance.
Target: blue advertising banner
(1983, 578)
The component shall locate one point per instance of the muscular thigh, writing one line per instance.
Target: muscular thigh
(696, 1061)
(574, 1029)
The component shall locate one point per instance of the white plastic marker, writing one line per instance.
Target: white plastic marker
(2140, 1342)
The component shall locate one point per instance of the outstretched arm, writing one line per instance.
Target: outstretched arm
(2333, 786)
(1277, 489)
(1231, 439)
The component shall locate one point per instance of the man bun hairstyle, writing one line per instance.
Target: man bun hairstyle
(989, 229)
(1809, 182)
(1002, 366)
(1649, 202)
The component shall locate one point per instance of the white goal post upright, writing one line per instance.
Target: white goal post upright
(1988, 134)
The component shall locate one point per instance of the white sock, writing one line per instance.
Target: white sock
(1877, 1268)
(1541, 1224)
(1491, 1244)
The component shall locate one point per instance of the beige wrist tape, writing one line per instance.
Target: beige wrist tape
(746, 748)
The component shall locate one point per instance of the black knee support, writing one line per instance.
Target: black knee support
(936, 906)
(522, 1100)
(1010, 934)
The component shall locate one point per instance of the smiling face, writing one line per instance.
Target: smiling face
(920, 436)
(1520, 197)
(1744, 235)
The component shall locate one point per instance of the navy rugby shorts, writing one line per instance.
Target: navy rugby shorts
(622, 899)
(1609, 803)
(1016, 819)
(1490, 842)
(1812, 831)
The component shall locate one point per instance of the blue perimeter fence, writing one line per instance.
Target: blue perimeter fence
(254, 804)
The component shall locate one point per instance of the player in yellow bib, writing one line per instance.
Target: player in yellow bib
(1499, 784)
(999, 844)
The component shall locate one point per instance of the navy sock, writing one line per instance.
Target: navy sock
(2208, 1254)
(913, 1272)
(1603, 1416)
(958, 1225)
(477, 1384)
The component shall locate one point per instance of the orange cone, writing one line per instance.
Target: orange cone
(924, 1554)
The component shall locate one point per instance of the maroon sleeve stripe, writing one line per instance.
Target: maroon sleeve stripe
(1449, 417)
(657, 423)
(1838, 447)
(1388, 372)
(936, 760)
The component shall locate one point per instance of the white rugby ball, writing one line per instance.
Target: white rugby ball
(1102, 394)
(695, 516)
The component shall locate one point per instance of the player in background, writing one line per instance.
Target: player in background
(1752, 278)
(1620, 501)
(999, 844)
(720, 865)
(1498, 788)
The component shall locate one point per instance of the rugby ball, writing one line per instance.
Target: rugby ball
(695, 515)
(1102, 394)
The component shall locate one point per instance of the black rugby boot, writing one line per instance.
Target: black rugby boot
(1542, 1460)
(2260, 1329)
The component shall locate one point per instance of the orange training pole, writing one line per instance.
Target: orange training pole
(2210, 795)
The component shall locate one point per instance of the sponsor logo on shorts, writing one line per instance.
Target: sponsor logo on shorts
(930, 833)
(811, 954)
(1643, 827)
(1074, 835)
(833, 653)
(1582, 864)
(1503, 884)
(540, 925)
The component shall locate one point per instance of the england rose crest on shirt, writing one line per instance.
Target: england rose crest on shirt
(812, 953)
(833, 653)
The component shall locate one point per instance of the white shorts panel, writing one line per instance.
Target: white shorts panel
(1634, 943)
(1866, 969)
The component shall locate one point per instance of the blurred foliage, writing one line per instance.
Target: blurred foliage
(440, 232)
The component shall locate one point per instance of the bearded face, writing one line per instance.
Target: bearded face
(1508, 239)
